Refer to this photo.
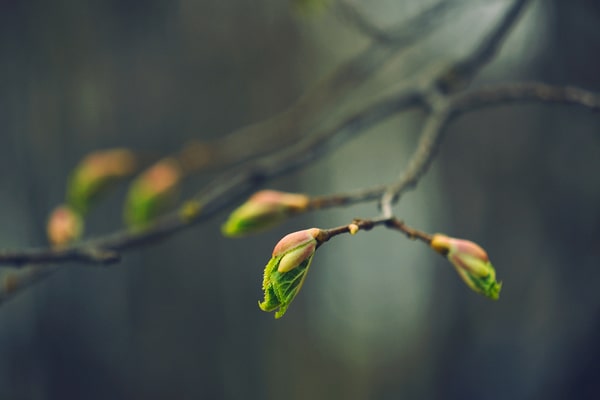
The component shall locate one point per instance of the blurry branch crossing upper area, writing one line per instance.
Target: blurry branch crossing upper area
(250, 157)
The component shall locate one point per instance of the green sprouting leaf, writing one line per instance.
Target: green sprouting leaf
(281, 288)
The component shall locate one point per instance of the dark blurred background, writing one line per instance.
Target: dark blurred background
(379, 317)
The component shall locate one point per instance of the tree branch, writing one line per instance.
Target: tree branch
(403, 35)
(441, 109)
(230, 187)
(440, 106)
(74, 254)
(368, 224)
(329, 93)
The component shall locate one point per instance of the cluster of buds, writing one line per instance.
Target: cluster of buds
(96, 172)
(285, 273)
(263, 210)
(471, 262)
(64, 226)
(151, 192)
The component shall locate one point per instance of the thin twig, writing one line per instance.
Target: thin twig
(419, 162)
(346, 199)
(368, 224)
(463, 71)
(328, 94)
(423, 23)
(506, 93)
(88, 255)
(441, 109)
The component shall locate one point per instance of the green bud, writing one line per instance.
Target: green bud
(263, 210)
(471, 262)
(95, 173)
(151, 192)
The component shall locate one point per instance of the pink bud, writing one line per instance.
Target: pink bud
(295, 248)
(471, 262)
(263, 210)
(160, 178)
(95, 173)
(64, 226)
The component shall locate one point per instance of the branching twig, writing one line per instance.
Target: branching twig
(463, 71)
(74, 254)
(455, 78)
(228, 188)
(368, 224)
(403, 35)
(330, 93)
(441, 107)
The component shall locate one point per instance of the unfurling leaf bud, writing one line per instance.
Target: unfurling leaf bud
(151, 192)
(263, 210)
(96, 172)
(471, 262)
(64, 226)
(286, 271)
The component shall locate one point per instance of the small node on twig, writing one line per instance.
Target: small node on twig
(353, 228)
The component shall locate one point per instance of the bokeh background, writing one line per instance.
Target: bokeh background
(379, 317)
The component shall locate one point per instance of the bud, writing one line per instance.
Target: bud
(286, 271)
(96, 172)
(64, 226)
(471, 262)
(151, 192)
(263, 210)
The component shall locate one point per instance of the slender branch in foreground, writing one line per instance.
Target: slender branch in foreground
(292, 256)
(419, 162)
(368, 224)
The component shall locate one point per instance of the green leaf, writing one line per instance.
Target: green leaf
(281, 288)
